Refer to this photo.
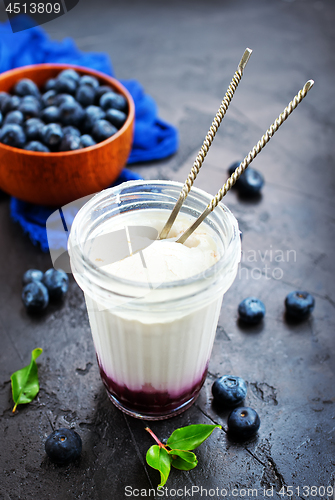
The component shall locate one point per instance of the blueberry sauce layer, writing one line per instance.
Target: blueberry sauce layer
(150, 401)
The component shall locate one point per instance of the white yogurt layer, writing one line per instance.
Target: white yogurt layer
(159, 260)
(169, 352)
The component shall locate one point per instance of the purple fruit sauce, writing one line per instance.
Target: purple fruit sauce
(150, 402)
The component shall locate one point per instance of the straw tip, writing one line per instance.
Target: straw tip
(245, 59)
(308, 85)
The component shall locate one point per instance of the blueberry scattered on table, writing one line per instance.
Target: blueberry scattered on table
(299, 304)
(243, 423)
(229, 390)
(57, 283)
(63, 446)
(251, 310)
(35, 296)
(68, 100)
(32, 275)
(250, 182)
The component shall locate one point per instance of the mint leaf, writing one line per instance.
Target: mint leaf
(25, 381)
(190, 437)
(159, 458)
(183, 460)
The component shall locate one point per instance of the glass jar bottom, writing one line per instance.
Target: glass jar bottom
(152, 417)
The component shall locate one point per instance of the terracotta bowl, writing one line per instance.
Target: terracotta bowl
(55, 179)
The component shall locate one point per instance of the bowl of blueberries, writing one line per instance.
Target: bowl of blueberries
(65, 132)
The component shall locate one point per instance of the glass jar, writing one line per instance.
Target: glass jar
(153, 340)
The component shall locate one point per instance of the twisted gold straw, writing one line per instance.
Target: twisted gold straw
(207, 142)
(248, 159)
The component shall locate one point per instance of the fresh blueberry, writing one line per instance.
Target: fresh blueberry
(51, 114)
(251, 310)
(89, 80)
(32, 275)
(101, 91)
(57, 283)
(36, 146)
(70, 143)
(250, 182)
(49, 98)
(4, 100)
(243, 423)
(26, 87)
(12, 104)
(102, 129)
(29, 109)
(85, 95)
(299, 304)
(33, 128)
(35, 296)
(63, 446)
(69, 73)
(50, 84)
(113, 100)
(65, 85)
(229, 390)
(14, 117)
(70, 130)
(92, 114)
(52, 134)
(116, 117)
(1, 119)
(61, 98)
(71, 113)
(31, 99)
(86, 141)
(13, 135)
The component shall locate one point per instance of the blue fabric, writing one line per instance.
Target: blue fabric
(153, 138)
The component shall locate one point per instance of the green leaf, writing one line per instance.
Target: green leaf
(183, 460)
(190, 437)
(25, 381)
(159, 458)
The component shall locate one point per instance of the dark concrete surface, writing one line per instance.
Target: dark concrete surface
(185, 53)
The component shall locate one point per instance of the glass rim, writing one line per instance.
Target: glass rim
(115, 191)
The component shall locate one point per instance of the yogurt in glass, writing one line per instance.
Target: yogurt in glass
(153, 304)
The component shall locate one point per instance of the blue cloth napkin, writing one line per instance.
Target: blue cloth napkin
(153, 138)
